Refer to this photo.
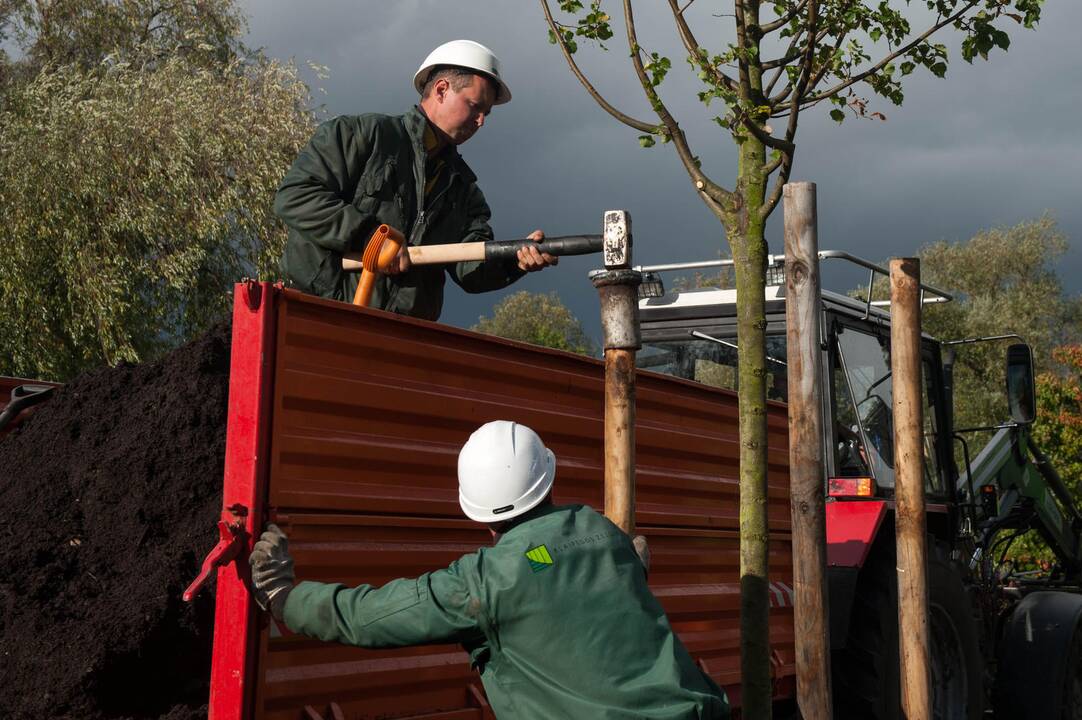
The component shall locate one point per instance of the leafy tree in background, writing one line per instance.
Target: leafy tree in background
(763, 63)
(1005, 281)
(536, 318)
(140, 148)
(1058, 433)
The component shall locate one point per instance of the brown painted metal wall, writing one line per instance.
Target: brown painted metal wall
(369, 413)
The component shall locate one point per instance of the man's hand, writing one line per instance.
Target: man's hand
(401, 262)
(643, 551)
(531, 259)
(272, 571)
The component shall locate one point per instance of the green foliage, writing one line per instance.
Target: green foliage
(86, 32)
(1058, 433)
(536, 318)
(133, 196)
(869, 42)
(1006, 282)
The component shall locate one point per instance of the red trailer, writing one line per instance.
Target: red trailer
(344, 428)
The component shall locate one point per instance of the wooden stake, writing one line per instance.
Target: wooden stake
(617, 287)
(905, 365)
(806, 432)
(620, 438)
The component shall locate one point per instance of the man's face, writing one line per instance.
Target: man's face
(460, 113)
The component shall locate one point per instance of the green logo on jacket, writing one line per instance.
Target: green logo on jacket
(539, 558)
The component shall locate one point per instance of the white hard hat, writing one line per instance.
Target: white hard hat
(504, 470)
(467, 54)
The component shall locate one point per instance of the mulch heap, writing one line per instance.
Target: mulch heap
(109, 495)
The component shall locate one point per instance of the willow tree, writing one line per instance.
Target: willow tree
(140, 147)
(765, 62)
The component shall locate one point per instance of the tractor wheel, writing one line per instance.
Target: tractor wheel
(1040, 659)
(1072, 690)
(866, 673)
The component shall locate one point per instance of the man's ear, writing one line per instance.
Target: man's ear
(441, 88)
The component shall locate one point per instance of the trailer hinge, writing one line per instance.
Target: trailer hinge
(231, 538)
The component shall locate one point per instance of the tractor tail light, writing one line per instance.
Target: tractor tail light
(851, 487)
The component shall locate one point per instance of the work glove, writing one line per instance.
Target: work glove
(643, 551)
(272, 571)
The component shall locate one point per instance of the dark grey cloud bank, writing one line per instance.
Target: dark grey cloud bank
(993, 144)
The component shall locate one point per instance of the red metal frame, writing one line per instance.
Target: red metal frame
(247, 436)
(851, 529)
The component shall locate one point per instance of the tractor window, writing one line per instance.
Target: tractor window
(713, 362)
(933, 480)
(864, 414)
(865, 420)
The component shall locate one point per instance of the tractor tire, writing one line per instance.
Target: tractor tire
(1040, 659)
(865, 673)
(1072, 691)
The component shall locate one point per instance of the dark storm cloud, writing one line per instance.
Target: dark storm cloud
(994, 143)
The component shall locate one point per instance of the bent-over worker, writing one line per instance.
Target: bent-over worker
(358, 172)
(556, 615)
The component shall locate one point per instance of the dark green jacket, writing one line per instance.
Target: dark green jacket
(557, 617)
(360, 171)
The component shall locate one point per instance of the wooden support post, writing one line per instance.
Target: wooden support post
(617, 286)
(905, 365)
(620, 438)
(806, 432)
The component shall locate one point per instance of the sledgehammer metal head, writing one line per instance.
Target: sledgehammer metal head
(617, 242)
(618, 285)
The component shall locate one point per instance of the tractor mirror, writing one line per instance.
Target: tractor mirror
(1021, 393)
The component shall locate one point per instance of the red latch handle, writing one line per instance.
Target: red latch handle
(228, 547)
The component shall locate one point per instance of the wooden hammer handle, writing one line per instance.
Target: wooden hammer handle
(426, 255)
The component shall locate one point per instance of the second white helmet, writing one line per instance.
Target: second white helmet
(466, 54)
(504, 470)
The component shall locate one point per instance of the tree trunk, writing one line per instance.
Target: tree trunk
(748, 243)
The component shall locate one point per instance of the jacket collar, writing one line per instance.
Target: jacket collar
(415, 123)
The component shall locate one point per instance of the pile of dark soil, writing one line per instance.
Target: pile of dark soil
(109, 497)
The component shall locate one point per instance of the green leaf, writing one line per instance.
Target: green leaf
(646, 141)
(837, 115)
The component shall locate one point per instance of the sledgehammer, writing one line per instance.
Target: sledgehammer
(385, 243)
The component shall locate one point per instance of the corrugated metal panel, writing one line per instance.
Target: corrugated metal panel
(369, 413)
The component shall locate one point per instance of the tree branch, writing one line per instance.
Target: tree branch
(816, 79)
(784, 20)
(605, 105)
(785, 161)
(713, 193)
(742, 42)
(900, 51)
(693, 47)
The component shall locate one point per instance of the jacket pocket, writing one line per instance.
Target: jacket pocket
(377, 187)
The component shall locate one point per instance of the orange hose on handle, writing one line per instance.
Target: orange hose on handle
(380, 252)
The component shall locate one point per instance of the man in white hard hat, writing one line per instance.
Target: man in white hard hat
(556, 615)
(361, 171)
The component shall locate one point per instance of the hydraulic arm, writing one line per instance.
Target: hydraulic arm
(1031, 495)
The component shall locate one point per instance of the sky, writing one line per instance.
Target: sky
(993, 144)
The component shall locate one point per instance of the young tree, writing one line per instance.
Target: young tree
(785, 56)
(135, 192)
(540, 319)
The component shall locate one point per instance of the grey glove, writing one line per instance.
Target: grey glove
(272, 571)
(643, 550)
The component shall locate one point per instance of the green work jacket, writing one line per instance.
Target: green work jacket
(557, 617)
(358, 172)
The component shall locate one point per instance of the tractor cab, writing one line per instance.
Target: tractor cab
(692, 334)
